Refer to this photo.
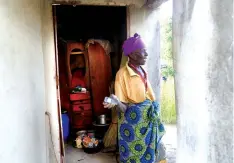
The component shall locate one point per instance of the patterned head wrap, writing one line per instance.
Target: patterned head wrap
(132, 44)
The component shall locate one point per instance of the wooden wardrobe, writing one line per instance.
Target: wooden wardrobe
(100, 76)
(84, 108)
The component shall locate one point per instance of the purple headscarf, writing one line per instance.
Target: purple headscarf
(132, 44)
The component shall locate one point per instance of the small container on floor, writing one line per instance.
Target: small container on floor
(65, 124)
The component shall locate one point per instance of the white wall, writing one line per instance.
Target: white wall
(203, 52)
(22, 96)
(52, 121)
(138, 3)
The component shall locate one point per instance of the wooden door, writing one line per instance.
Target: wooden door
(100, 76)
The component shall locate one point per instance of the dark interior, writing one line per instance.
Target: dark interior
(81, 23)
(85, 22)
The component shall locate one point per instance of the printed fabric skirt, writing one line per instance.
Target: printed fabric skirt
(139, 133)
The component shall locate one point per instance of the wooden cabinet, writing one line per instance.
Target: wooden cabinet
(76, 57)
(90, 68)
(77, 68)
(100, 76)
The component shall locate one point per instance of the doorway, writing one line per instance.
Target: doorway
(88, 40)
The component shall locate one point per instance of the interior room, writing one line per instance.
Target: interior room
(89, 40)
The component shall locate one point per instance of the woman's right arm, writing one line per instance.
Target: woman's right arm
(122, 107)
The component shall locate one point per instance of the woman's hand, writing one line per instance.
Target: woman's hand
(109, 106)
(116, 102)
(112, 104)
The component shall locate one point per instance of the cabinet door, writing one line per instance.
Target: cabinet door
(100, 76)
(72, 47)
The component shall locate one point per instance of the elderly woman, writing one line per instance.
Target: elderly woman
(139, 126)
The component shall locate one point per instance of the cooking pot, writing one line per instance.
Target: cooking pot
(101, 119)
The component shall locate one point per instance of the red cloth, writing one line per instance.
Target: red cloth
(78, 79)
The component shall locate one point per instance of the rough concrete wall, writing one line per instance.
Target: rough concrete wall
(203, 49)
(138, 3)
(22, 97)
(154, 3)
(52, 121)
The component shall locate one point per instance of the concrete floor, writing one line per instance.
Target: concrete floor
(74, 155)
(170, 142)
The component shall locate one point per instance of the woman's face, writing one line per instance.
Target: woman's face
(139, 57)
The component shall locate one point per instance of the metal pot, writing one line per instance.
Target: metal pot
(101, 119)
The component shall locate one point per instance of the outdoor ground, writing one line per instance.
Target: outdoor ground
(74, 155)
(170, 141)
